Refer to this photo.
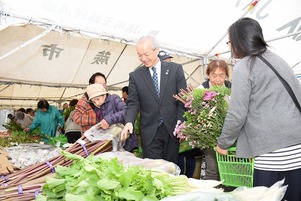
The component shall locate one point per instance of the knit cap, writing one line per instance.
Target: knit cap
(95, 90)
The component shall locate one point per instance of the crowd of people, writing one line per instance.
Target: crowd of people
(262, 121)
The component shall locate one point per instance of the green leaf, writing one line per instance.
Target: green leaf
(129, 194)
(53, 182)
(107, 184)
(41, 198)
(71, 156)
(86, 197)
(94, 177)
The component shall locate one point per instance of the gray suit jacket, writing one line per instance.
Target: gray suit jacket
(142, 97)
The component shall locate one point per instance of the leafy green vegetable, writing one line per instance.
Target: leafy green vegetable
(13, 126)
(18, 137)
(94, 178)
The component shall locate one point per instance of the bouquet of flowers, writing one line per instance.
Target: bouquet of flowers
(205, 115)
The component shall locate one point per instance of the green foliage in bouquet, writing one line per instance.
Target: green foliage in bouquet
(205, 115)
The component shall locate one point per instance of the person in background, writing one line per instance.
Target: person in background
(22, 109)
(164, 56)
(26, 116)
(262, 119)
(85, 111)
(11, 117)
(71, 107)
(23, 119)
(106, 109)
(125, 92)
(151, 90)
(85, 105)
(65, 106)
(217, 73)
(30, 111)
(11, 124)
(72, 130)
(48, 117)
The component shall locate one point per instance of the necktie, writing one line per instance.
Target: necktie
(155, 80)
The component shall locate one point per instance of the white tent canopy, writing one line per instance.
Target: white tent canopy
(50, 48)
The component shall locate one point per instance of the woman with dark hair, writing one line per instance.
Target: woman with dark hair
(96, 78)
(43, 105)
(30, 111)
(262, 117)
(48, 117)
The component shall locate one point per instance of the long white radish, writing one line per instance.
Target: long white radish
(197, 183)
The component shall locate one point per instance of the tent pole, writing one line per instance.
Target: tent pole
(28, 42)
(251, 6)
(270, 40)
(5, 87)
(288, 35)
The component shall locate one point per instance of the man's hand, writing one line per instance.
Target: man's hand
(127, 130)
(221, 151)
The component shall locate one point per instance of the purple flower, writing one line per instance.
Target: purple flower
(209, 95)
(188, 103)
(203, 119)
(178, 129)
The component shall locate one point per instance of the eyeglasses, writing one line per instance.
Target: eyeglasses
(221, 76)
(228, 42)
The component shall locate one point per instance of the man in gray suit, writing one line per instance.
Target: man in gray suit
(159, 111)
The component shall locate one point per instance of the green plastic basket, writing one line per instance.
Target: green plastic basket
(235, 171)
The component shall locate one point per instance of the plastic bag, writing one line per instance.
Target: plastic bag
(112, 133)
(130, 159)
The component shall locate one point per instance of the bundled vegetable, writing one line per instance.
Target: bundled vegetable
(31, 179)
(38, 170)
(95, 178)
(259, 193)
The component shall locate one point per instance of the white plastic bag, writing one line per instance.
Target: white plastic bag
(112, 133)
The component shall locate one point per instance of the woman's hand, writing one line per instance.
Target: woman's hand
(104, 124)
(221, 151)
